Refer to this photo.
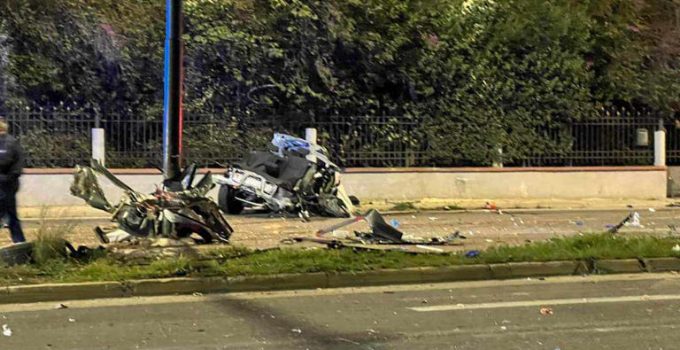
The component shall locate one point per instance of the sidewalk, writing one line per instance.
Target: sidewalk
(84, 211)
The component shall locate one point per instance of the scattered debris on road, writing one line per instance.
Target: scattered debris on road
(6, 331)
(381, 233)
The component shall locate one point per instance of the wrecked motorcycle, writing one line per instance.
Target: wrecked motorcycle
(176, 213)
(296, 177)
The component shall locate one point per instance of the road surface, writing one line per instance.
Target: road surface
(481, 228)
(605, 312)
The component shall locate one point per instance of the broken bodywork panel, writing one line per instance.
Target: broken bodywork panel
(176, 213)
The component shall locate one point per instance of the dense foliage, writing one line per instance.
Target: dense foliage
(481, 75)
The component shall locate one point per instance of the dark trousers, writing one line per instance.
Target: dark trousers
(8, 210)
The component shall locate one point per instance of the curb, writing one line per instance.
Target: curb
(171, 286)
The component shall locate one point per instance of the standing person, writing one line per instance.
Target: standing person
(11, 166)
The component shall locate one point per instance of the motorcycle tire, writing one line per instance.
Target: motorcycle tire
(227, 201)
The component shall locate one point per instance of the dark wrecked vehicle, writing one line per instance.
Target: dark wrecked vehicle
(171, 213)
(295, 177)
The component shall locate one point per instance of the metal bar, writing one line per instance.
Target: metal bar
(172, 102)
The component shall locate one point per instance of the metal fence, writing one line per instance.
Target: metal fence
(614, 138)
(61, 138)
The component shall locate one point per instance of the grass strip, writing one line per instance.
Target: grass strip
(239, 261)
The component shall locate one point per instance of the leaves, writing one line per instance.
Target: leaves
(484, 75)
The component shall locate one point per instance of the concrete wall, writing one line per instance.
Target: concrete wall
(557, 183)
(40, 187)
(674, 181)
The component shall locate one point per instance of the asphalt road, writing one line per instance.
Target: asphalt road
(606, 312)
(481, 228)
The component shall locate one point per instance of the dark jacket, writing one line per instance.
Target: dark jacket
(11, 163)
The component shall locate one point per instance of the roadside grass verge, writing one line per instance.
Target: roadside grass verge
(239, 261)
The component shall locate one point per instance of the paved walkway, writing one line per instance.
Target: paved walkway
(483, 228)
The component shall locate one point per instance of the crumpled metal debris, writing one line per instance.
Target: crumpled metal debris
(632, 219)
(381, 233)
(176, 213)
(298, 177)
(384, 233)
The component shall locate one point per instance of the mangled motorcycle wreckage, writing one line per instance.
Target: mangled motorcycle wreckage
(296, 177)
(177, 213)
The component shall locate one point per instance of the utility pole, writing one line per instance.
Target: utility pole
(172, 92)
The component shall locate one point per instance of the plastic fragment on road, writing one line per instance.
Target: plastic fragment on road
(296, 330)
(634, 220)
(632, 217)
(433, 249)
(6, 331)
(546, 311)
(490, 206)
(472, 253)
(394, 223)
(381, 229)
(72, 320)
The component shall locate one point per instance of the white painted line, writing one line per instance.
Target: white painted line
(673, 279)
(549, 302)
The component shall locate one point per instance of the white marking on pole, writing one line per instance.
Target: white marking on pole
(551, 302)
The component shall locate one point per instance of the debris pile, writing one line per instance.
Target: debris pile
(297, 177)
(381, 233)
(172, 213)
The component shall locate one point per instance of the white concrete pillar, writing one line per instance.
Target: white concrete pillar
(498, 163)
(310, 135)
(99, 145)
(660, 148)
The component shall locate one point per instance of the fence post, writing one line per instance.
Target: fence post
(310, 135)
(660, 146)
(498, 163)
(98, 141)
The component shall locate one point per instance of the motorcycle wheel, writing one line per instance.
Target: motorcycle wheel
(227, 201)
